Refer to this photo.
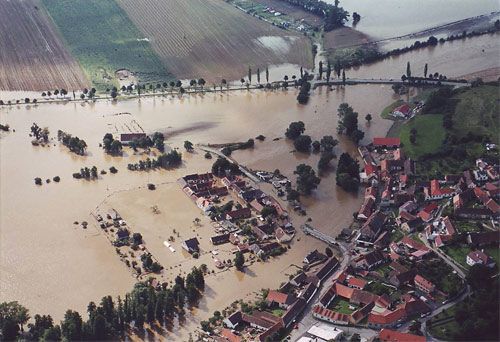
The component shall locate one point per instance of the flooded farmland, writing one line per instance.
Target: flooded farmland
(45, 257)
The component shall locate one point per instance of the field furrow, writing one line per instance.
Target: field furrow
(212, 39)
(32, 54)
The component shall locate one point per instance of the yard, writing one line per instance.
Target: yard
(386, 113)
(429, 137)
(341, 306)
(466, 226)
(458, 253)
(444, 326)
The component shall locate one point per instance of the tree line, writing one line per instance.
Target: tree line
(110, 319)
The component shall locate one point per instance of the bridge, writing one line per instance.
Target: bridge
(309, 230)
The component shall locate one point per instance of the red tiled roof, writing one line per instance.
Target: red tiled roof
(370, 168)
(229, 336)
(386, 141)
(387, 335)
(478, 256)
(404, 108)
(278, 297)
(353, 281)
(389, 318)
(421, 281)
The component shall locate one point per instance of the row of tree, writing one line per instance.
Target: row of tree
(110, 320)
(348, 123)
(165, 160)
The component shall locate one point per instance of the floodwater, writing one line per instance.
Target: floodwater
(49, 264)
(390, 18)
(453, 59)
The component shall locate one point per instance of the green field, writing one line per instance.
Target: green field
(478, 112)
(458, 253)
(341, 306)
(444, 326)
(430, 135)
(103, 39)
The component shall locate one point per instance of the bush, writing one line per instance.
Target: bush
(151, 186)
(113, 169)
(302, 143)
(56, 179)
(38, 181)
(208, 155)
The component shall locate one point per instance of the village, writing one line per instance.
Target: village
(405, 257)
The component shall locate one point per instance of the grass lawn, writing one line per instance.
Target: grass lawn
(477, 112)
(494, 253)
(103, 39)
(466, 226)
(341, 306)
(444, 325)
(384, 270)
(386, 113)
(430, 135)
(278, 312)
(396, 235)
(458, 253)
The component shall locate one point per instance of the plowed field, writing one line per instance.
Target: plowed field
(212, 39)
(32, 55)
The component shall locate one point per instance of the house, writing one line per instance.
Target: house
(238, 214)
(409, 207)
(423, 284)
(308, 292)
(386, 318)
(127, 138)
(356, 283)
(386, 142)
(369, 261)
(326, 268)
(372, 227)
(427, 213)
(386, 335)
(412, 225)
(402, 111)
(293, 312)
(283, 300)
(233, 320)
(399, 279)
(228, 336)
(282, 236)
(122, 234)
(220, 239)
(474, 213)
(191, 245)
(479, 258)
(367, 208)
(483, 239)
(435, 192)
(314, 256)
(326, 333)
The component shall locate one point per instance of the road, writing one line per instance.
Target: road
(352, 81)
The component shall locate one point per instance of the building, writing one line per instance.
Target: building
(423, 284)
(314, 256)
(127, 138)
(367, 208)
(238, 214)
(402, 111)
(233, 320)
(369, 261)
(386, 142)
(372, 227)
(220, 239)
(191, 245)
(386, 335)
(483, 239)
(435, 192)
(283, 300)
(479, 258)
(326, 332)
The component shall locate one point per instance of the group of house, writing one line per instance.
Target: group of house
(268, 233)
(378, 311)
(291, 298)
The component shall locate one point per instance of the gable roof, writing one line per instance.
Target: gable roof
(378, 141)
(387, 335)
(280, 298)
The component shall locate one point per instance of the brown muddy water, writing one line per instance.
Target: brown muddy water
(453, 59)
(49, 264)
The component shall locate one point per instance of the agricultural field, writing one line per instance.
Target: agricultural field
(477, 112)
(430, 135)
(33, 56)
(105, 42)
(211, 39)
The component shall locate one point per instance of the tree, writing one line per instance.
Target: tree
(258, 75)
(302, 143)
(292, 195)
(250, 75)
(71, 326)
(408, 70)
(239, 260)
(328, 143)
(368, 117)
(268, 211)
(328, 72)
(320, 67)
(267, 74)
(324, 161)
(348, 123)
(347, 176)
(343, 77)
(316, 146)
(307, 180)
(188, 145)
(425, 70)
(295, 129)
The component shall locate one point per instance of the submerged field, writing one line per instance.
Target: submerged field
(32, 54)
(211, 39)
(104, 40)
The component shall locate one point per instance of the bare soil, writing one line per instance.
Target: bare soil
(32, 54)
